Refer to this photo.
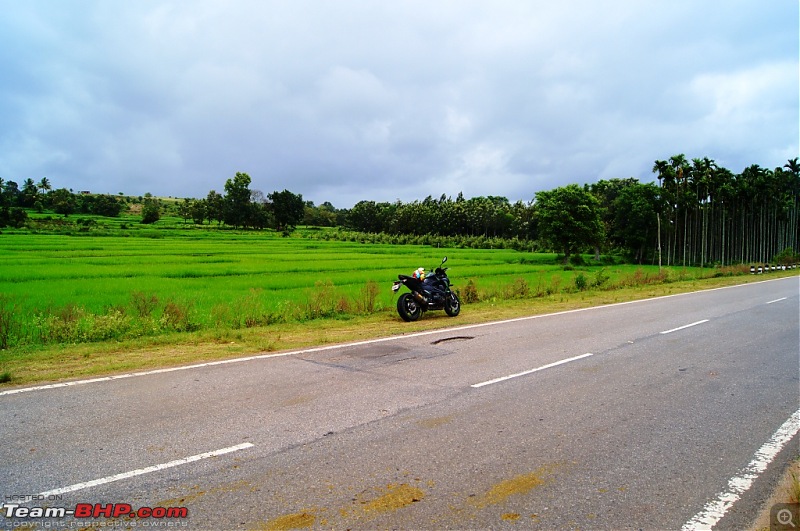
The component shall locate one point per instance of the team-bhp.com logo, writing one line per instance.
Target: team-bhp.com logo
(94, 510)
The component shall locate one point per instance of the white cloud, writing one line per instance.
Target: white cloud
(350, 100)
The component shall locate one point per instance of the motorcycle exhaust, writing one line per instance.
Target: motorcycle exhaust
(420, 298)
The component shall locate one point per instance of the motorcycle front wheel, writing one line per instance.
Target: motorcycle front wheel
(452, 306)
(408, 308)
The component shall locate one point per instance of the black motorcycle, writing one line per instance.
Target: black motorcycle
(431, 293)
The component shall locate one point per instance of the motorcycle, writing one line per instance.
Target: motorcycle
(429, 293)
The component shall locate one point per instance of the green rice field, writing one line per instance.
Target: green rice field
(78, 287)
(114, 295)
(46, 271)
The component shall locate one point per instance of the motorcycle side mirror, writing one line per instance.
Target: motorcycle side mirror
(444, 259)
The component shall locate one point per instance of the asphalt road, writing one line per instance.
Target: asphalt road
(659, 414)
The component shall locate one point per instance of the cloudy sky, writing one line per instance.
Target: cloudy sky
(382, 100)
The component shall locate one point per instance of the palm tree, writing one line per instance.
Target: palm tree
(44, 185)
(29, 193)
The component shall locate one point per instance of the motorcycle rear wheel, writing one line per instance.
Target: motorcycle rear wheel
(452, 306)
(408, 308)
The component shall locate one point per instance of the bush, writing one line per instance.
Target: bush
(786, 257)
(322, 301)
(470, 293)
(518, 289)
(577, 260)
(143, 304)
(151, 212)
(600, 278)
(176, 317)
(368, 300)
(580, 282)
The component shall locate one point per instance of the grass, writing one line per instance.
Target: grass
(793, 490)
(786, 491)
(206, 271)
(40, 363)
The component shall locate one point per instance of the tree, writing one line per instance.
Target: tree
(151, 211)
(62, 201)
(569, 219)
(199, 211)
(44, 185)
(11, 193)
(320, 216)
(237, 200)
(635, 222)
(287, 208)
(364, 217)
(29, 193)
(215, 207)
(12, 217)
(185, 209)
(101, 205)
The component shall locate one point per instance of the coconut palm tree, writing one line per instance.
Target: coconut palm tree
(44, 185)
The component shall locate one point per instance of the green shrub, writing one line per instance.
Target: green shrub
(322, 301)
(786, 257)
(470, 293)
(176, 317)
(368, 298)
(600, 278)
(143, 304)
(577, 260)
(518, 289)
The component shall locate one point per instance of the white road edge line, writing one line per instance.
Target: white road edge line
(147, 470)
(778, 300)
(714, 510)
(366, 342)
(523, 373)
(685, 326)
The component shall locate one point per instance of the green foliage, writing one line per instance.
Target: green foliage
(367, 303)
(176, 317)
(577, 260)
(600, 278)
(237, 200)
(569, 219)
(470, 293)
(114, 284)
(13, 217)
(9, 322)
(518, 289)
(786, 257)
(698, 214)
(323, 301)
(287, 208)
(144, 304)
(151, 211)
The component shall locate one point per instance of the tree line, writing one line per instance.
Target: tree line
(697, 213)
(238, 207)
(39, 196)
